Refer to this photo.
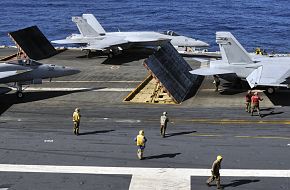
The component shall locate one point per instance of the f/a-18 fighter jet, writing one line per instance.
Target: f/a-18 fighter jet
(26, 71)
(93, 35)
(261, 72)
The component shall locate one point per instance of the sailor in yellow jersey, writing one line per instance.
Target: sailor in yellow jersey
(76, 120)
(140, 142)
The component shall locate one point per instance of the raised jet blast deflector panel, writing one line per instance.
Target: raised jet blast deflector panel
(173, 73)
(33, 43)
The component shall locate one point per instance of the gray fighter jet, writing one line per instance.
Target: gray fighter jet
(26, 72)
(262, 72)
(93, 35)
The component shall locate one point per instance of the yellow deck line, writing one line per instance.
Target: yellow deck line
(241, 136)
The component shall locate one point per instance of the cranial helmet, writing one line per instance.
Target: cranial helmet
(219, 157)
(141, 132)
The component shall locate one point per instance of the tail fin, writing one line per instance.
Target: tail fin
(88, 25)
(231, 50)
(93, 22)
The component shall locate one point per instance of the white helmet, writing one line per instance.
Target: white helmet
(164, 113)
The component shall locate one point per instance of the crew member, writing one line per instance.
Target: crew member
(215, 172)
(217, 82)
(163, 124)
(259, 51)
(140, 142)
(248, 101)
(76, 120)
(255, 103)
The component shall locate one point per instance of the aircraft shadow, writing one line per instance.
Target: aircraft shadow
(92, 55)
(96, 132)
(232, 89)
(7, 100)
(179, 133)
(266, 109)
(236, 183)
(280, 97)
(126, 58)
(161, 156)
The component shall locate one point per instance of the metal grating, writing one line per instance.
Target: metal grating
(33, 43)
(172, 71)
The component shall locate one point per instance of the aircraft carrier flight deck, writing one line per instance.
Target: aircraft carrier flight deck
(39, 150)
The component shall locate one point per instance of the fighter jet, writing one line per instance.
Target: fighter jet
(26, 71)
(93, 35)
(261, 72)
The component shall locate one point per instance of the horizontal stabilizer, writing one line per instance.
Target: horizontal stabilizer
(210, 71)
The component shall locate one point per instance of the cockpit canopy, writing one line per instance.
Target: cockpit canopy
(24, 62)
(170, 33)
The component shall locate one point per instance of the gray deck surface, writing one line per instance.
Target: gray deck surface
(38, 130)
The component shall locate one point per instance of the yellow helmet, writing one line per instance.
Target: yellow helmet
(219, 157)
(141, 132)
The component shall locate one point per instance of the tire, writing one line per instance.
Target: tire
(19, 95)
(270, 90)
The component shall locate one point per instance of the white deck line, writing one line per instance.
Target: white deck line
(91, 81)
(76, 89)
(146, 178)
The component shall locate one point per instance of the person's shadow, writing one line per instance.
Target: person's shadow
(271, 113)
(179, 133)
(236, 183)
(96, 132)
(161, 156)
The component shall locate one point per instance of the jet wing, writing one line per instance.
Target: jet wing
(71, 41)
(205, 71)
(269, 75)
(7, 74)
(106, 43)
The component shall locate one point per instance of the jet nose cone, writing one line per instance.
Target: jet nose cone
(70, 71)
(73, 71)
(202, 44)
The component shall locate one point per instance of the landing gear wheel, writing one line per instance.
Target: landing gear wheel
(19, 95)
(110, 55)
(271, 90)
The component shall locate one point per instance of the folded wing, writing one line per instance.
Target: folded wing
(269, 75)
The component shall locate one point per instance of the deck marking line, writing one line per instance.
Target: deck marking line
(76, 89)
(146, 178)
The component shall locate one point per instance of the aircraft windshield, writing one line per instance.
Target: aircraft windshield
(171, 33)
